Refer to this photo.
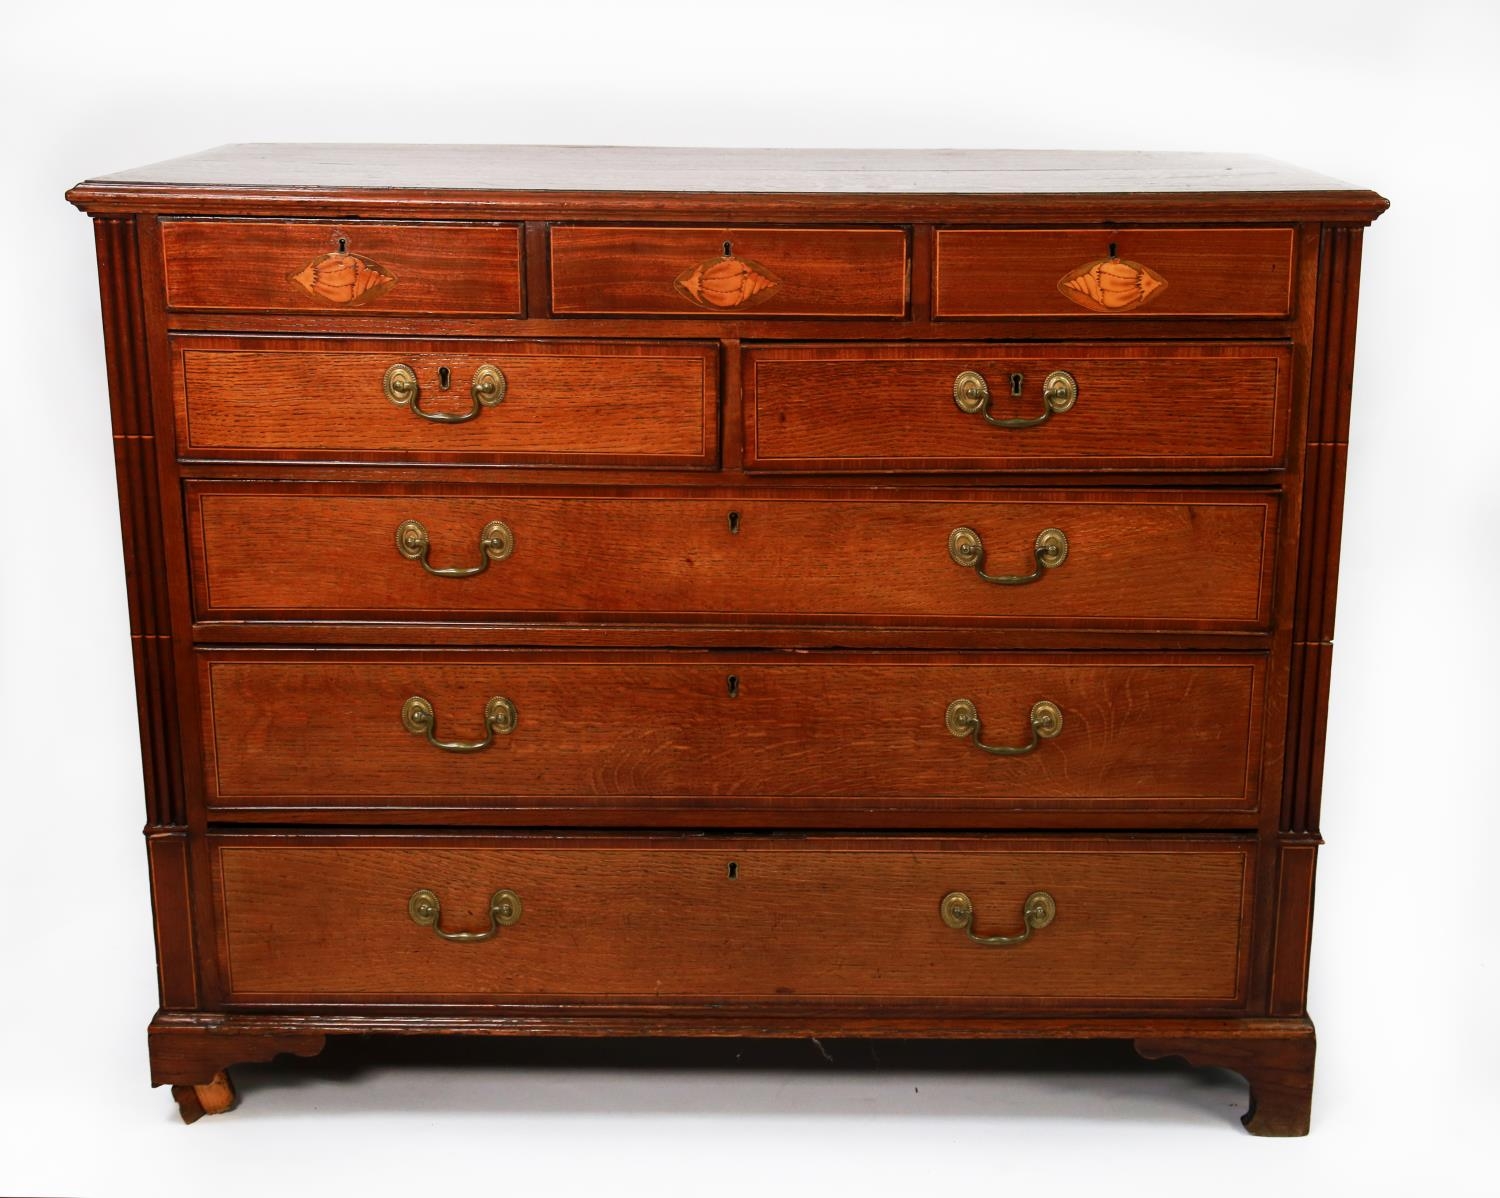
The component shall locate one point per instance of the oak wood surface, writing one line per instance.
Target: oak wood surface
(1279, 1069)
(1191, 560)
(651, 181)
(1138, 923)
(1139, 732)
(1187, 638)
(1208, 272)
(609, 403)
(815, 272)
(819, 408)
(434, 268)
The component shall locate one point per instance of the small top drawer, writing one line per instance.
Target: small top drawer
(608, 270)
(1112, 272)
(300, 266)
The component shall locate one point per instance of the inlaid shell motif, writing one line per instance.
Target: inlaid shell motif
(344, 278)
(727, 282)
(1111, 285)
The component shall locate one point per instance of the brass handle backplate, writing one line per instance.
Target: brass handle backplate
(496, 543)
(1050, 551)
(418, 718)
(962, 719)
(971, 392)
(957, 910)
(425, 911)
(485, 391)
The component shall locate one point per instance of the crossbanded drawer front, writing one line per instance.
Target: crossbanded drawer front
(725, 272)
(1099, 273)
(1152, 922)
(433, 268)
(997, 407)
(932, 733)
(540, 402)
(1187, 560)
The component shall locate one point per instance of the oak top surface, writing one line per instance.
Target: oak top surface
(281, 166)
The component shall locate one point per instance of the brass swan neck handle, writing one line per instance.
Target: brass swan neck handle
(957, 911)
(962, 719)
(971, 392)
(425, 911)
(1049, 551)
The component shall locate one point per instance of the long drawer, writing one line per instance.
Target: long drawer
(416, 734)
(1129, 559)
(560, 403)
(1216, 406)
(1148, 922)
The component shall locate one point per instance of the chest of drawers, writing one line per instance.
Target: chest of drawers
(766, 593)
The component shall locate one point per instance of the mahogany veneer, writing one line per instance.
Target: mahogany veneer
(730, 408)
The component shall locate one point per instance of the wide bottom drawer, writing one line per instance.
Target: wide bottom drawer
(1000, 922)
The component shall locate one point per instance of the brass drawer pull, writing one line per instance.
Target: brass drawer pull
(1050, 551)
(486, 390)
(957, 910)
(963, 721)
(425, 911)
(971, 392)
(496, 543)
(418, 718)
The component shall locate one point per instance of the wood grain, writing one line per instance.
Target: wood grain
(254, 265)
(146, 585)
(555, 182)
(1186, 639)
(1279, 1068)
(818, 408)
(1141, 559)
(603, 404)
(1149, 923)
(1016, 272)
(818, 272)
(1142, 732)
(171, 900)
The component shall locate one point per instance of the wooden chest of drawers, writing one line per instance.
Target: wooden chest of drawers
(773, 593)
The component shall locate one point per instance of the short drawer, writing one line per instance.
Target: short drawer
(354, 266)
(653, 270)
(1011, 407)
(545, 402)
(1117, 560)
(581, 734)
(1147, 272)
(612, 920)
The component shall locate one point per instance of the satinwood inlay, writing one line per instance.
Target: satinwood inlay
(343, 278)
(727, 282)
(1111, 285)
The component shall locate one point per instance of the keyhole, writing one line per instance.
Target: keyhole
(734, 523)
(1112, 253)
(733, 871)
(734, 686)
(343, 244)
(444, 375)
(727, 251)
(1015, 383)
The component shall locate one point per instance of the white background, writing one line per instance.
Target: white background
(1398, 97)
